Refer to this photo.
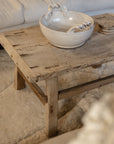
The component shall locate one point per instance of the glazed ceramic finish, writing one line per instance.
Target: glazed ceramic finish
(60, 30)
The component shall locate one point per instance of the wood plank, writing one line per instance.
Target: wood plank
(36, 89)
(19, 62)
(52, 106)
(19, 82)
(68, 93)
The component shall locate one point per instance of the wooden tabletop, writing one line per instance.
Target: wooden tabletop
(38, 59)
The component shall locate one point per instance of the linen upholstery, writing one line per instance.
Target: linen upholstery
(34, 9)
(11, 13)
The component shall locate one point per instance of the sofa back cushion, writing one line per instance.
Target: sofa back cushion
(88, 5)
(34, 9)
(10, 13)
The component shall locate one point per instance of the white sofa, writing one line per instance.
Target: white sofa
(22, 13)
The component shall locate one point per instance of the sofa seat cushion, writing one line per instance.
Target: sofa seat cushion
(11, 13)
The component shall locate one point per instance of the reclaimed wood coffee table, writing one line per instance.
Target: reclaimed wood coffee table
(66, 72)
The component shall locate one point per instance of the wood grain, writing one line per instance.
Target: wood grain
(51, 106)
(36, 89)
(45, 60)
(68, 93)
(19, 82)
(19, 62)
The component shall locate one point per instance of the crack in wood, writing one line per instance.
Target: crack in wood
(23, 55)
(15, 45)
(20, 32)
(49, 67)
(32, 67)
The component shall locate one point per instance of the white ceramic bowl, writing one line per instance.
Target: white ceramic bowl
(59, 30)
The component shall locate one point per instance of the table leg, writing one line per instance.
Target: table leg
(52, 106)
(19, 82)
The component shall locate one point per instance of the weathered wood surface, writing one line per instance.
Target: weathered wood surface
(23, 70)
(52, 106)
(46, 60)
(36, 89)
(19, 82)
(81, 76)
(105, 20)
(105, 23)
(68, 93)
(19, 62)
